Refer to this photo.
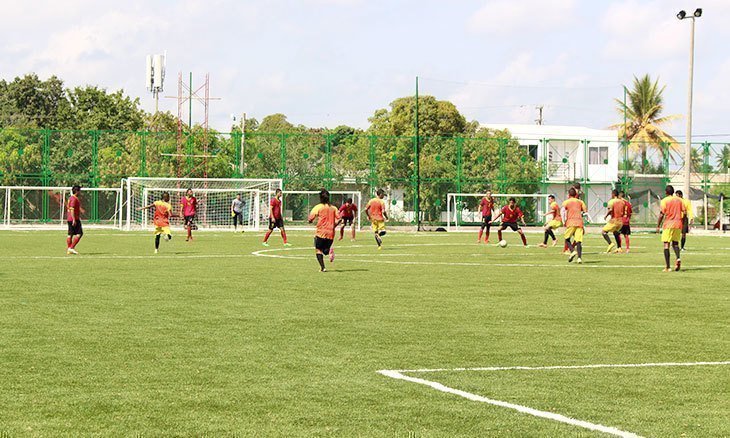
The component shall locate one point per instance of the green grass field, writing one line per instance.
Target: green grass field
(208, 338)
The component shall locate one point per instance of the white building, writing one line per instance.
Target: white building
(573, 153)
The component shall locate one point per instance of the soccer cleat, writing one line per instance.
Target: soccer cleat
(323, 270)
(486, 241)
(610, 247)
(627, 250)
(678, 265)
(566, 252)
(542, 245)
(666, 270)
(332, 255)
(555, 242)
(380, 247)
(618, 251)
(72, 251)
(579, 261)
(265, 243)
(287, 244)
(352, 240)
(573, 255)
(157, 251)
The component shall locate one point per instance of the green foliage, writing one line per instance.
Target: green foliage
(435, 118)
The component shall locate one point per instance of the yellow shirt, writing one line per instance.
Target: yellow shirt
(688, 206)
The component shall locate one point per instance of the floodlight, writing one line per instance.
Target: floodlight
(698, 12)
(681, 15)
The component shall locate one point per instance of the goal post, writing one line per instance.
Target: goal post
(296, 205)
(463, 212)
(44, 207)
(214, 196)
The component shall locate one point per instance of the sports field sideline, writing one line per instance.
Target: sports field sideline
(222, 336)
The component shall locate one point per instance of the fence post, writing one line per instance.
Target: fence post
(46, 172)
(94, 176)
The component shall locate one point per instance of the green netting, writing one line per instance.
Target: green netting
(418, 175)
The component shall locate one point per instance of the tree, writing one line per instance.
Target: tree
(28, 102)
(435, 118)
(723, 160)
(275, 124)
(644, 120)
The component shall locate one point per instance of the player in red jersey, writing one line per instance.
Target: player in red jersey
(626, 227)
(189, 207)
(328, 218)
(672, 212)
(73, 217)
(486, 206)
(348, 210)
(276, 220)
(510, 214)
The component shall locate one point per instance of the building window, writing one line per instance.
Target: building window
(598, 155)
(531, 150)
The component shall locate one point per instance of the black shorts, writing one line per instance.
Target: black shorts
(626, 230)
(347, 220)
(685, 225)
(276, 223)
(486, 221)
(75, 230)
(189, 220)
(322, 244)
(512, 225)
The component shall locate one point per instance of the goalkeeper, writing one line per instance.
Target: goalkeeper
(237, 212)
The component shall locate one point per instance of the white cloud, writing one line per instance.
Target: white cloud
(505, 16)
(644, 30)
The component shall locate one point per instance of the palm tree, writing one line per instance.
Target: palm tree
(723, 161)
(643, 127)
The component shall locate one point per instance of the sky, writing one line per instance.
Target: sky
(329, 62)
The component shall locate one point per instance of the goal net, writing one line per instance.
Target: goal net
(45, 207)
(464, 212)
(296, 205)
(214, 196)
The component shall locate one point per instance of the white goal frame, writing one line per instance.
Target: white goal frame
(59, 222)
(452, 214)
(257, 188)
(356, 199)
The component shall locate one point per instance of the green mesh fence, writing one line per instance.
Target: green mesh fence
(417, 174)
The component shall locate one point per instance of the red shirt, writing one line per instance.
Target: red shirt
(348, 210)
(275, 205)
(189, 205)
(73, 209)
(673, 209)
(627, 212)
(487, 205)
(509, 215)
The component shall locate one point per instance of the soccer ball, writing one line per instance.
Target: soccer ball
(503, 243)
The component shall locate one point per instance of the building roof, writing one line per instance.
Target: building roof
(555, 132)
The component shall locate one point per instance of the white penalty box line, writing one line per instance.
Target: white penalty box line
(401, 375)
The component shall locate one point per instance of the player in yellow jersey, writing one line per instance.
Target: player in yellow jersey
(327, 217)
(555, 222)
(687, 219)
(616, 214)
(163, 213)
(375, 211)
(574, 209)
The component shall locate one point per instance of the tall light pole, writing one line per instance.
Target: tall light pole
(688, 142)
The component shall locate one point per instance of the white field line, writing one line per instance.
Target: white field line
(345, 257)
(399, 375)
